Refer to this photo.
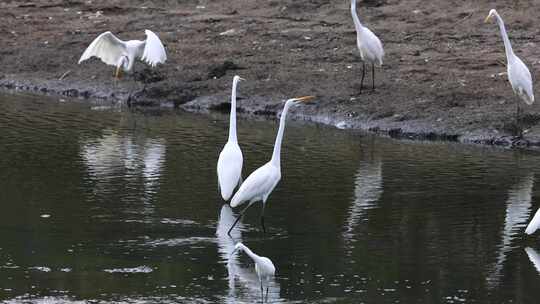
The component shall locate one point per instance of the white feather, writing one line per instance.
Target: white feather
(112, 50)
(534, 224)
(106, 47)
(258, 185)
(154, 52)
(229, 168)
(533, 257)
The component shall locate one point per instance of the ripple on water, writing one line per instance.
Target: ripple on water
(139, 269)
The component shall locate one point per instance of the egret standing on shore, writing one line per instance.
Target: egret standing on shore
(369, 45)
(122, 54)
(260, 183)
(229, 166)
(263, 267)
(518, 73)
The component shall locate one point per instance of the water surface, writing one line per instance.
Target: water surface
(106, 204)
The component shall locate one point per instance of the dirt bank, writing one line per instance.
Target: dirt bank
(443, 75)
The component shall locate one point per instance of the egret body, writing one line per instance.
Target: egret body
(369, 45)
(260, 183)
(534, 224)
(263, 266)
(229, 166)
(122, 54)
(518, 73)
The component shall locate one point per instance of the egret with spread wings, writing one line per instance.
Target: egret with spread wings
(122, 54)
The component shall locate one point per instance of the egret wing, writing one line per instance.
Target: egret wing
(373, 45)
(229, 169)
(154, 52)
(521, 75)
(106, 47)
(256, 185)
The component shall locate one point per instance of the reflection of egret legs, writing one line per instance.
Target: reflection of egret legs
(238, 218)
(264, 297)
(242, 214)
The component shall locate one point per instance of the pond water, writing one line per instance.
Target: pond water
(105, 205)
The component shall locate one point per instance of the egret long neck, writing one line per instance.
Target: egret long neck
(232, 120)
(356, 20)
(276, 156)
(251, 254)
(507, 45)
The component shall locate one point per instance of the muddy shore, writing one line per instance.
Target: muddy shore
(443, 75)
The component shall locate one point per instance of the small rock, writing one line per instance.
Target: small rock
(230, 32)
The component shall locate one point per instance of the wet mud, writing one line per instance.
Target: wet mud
(443, 76)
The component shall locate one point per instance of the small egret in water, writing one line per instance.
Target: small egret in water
(534, 224)
(369, 45)
(263, 267)
(260, 183)
(518, 73)
(229, 166)
(122, 54)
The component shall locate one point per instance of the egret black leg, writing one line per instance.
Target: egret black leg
(237, 219)
(518, 125)
(262, 294)
(266, 295)
(373, 77)
(363, 75)
(262, 219)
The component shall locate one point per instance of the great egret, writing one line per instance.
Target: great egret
(263, 267)
(260, 183)
(518, 73)
(534, 224)
(369, 45)
(122, 54)
(229, 166)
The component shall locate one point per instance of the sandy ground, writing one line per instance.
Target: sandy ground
(443, 74)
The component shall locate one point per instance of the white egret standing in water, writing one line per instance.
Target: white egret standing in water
(369, 45)
(260, 183)
(534, 224)
(263, 267)
(518, 73)
(122, 54)
(229, 166)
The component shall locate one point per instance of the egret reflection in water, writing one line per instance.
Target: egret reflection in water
(367, 191)
(116, 156)
(245, 276)
(518, 207)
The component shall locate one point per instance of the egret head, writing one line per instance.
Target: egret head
(299, 100)
(238, 78)
(123, 63)
(492, 13)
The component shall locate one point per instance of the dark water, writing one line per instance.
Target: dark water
(106, 205)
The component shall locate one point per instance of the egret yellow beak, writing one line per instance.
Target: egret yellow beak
(118, 73)
(487, 19)
(305, 98)
(241, 78)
